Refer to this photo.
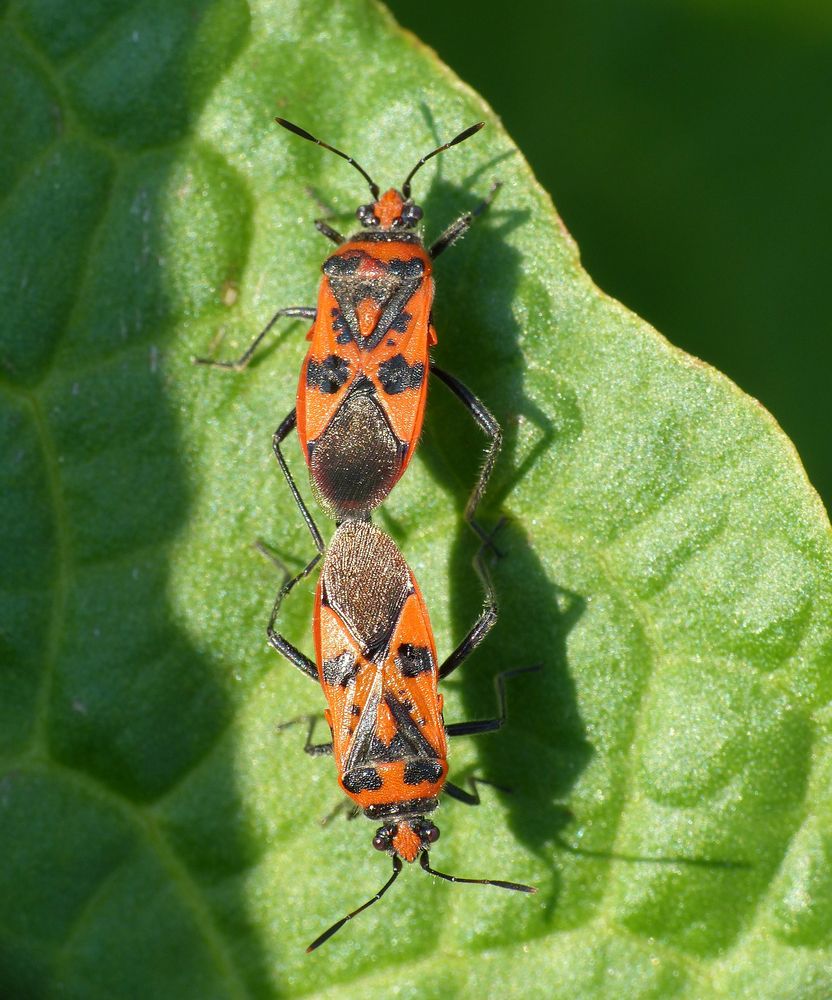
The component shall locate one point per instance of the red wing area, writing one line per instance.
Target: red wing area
(361, 395)
(389, 739)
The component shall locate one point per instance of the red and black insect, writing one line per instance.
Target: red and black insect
(377, 665)
(363, 384)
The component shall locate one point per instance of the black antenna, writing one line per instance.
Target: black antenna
(306, 135)
(397, 867)
(471, 130)
(424, 861)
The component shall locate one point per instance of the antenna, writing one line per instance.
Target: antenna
(397, 867)
(424, 861)
(306, 135)
(471, 130)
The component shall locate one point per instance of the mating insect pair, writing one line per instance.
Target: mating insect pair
(360, 406)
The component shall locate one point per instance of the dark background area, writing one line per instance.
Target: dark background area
(688, 148)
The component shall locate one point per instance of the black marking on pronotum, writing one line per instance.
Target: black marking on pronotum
(362, 779)
(340, 670)
(414, 660)
(390, 286)
(396, 375)
(417, 771)
(327, 375)
(410, 269)
(341, 265)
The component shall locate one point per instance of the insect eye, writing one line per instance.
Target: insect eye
(430, 833)
(382, 839)
(366, 215)
(411, 214)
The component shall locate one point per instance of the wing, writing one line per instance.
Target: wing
(377, 665)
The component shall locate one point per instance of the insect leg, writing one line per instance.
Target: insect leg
(313, 749)
(321, 224)
(329, 232)
(491, 725)
(276, 640)
(458, 229)
(303, 312)
(482, 626)
(293, 654)
(491, 428)
(283, 431)
(349, 809)
(472, 798)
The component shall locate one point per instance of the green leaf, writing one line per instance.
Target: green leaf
(665, 559)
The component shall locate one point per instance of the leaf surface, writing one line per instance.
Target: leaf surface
(665, 559)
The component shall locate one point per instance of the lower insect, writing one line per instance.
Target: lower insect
(376, 662)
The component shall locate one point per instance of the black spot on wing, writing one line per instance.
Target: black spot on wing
(340, 670)
(327, 375)
(416, 771)
(396, 375)
(362, 779)
(341, 326)
(414, 660)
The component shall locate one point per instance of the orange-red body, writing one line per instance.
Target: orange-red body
(363, 384)
(377, 666)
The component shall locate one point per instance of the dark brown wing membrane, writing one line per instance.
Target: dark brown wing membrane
(366, 581)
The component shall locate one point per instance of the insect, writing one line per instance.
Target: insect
(363, 383)
(377, 664)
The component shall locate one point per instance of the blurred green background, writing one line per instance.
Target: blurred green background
(688, 147)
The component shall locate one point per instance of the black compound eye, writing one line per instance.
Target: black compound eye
(382, 839)
(411, 214)
(366, 215)
(430, 833)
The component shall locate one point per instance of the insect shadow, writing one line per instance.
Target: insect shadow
(479, 342)
(543, 750)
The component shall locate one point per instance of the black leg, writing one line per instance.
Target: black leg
(303, 312)
(283, 646)
(329, 232)
(276, 640)
(313, 749)
(471, 798)
(482, 626)
(489, 426)
(491, 725)
(458, 229)
(349, 808)
(293, 655)
(321, 224)
(280, 435)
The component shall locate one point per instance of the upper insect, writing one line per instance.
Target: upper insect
(363, 384)
(395, 209)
